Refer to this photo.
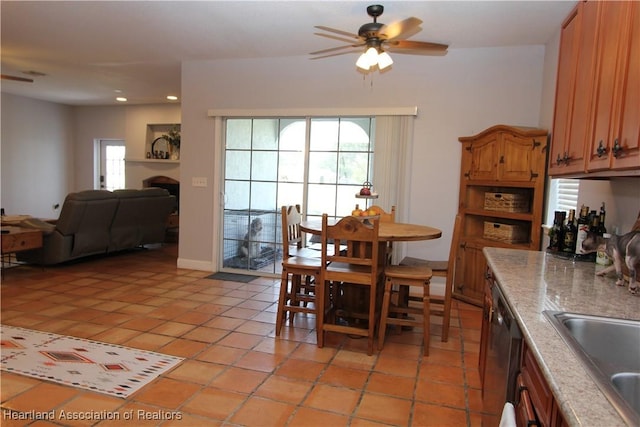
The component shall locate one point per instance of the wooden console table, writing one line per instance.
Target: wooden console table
(16, 239)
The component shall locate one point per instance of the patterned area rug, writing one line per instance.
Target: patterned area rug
(91, 365)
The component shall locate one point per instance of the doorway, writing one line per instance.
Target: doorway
(111, 172)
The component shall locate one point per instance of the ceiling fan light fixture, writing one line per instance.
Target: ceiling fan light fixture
(372, 55)
(363, 62)
(384, 60)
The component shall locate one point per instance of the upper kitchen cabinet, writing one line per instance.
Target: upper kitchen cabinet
(616, 117)
(596, 125)
(503, 153)
(576, 68)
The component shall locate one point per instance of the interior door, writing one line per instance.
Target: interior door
(111, 173)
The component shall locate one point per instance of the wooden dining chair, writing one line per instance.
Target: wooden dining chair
(300, 274)
(348, 294)
(441, 305)
(402, 276)
(386, 217)
(291, 219)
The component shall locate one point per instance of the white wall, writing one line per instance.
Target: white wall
(37, 156)
(459, 94)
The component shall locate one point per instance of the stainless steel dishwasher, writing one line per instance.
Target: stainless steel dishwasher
(502, 361)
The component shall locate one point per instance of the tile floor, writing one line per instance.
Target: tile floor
(236, 371)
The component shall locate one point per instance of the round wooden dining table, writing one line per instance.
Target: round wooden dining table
(388, 231)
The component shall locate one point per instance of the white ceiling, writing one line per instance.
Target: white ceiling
(89, 50)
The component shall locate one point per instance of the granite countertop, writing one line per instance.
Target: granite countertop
(536, 281)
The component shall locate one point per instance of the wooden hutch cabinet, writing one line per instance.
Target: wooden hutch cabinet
(502, 181)
(596, 128)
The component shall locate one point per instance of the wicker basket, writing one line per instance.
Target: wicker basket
(506, 233)
(506, 202)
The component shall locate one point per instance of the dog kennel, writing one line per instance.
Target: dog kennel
(262, 248)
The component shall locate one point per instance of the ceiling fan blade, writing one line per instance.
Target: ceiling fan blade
(331, 49)
(333, 30)
(335, 54)
(331, 36)
(416, 48)
(16, 78)
(401, 29)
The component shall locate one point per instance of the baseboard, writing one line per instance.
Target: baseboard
(193, 264)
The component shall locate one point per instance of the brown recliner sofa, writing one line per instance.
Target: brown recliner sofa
(95, 222)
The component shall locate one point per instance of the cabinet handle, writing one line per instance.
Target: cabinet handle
(602, 150)
(566, 158)
(559, 160)
(617, 148)
(501, 159)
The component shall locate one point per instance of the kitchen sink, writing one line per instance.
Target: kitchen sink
(610, 348)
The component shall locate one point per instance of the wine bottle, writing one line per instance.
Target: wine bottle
(569, 233)
(601, 228)
(555, 233)
(581, 233)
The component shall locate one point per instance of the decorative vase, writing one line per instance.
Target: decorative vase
(175, 153)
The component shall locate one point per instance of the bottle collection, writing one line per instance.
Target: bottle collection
(566, 236)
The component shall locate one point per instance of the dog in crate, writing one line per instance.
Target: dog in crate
(250, 246)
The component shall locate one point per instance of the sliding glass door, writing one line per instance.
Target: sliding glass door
(319, 163)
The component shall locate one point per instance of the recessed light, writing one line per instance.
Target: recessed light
(172, 98)
(121, 99)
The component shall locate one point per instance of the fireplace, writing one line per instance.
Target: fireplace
(169, 184)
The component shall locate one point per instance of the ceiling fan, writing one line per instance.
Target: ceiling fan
(378, 38)
(15, 78)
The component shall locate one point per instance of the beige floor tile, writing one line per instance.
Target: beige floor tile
(344, 377)
(386, 409)
(166, 392)
(221, 354)
(428, 415)
(396, 366)
(183, 348)
(240, 340)
(172, 329)
(284, 389)
(41, 398)
(301, 369)
(309, 417)
(338, 400)
(257, 410)
(13, 384)
(393, 385)
(259, 361)
(239, 380)
(195, 371)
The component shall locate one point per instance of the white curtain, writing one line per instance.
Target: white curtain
(390, 175)
(393, 139)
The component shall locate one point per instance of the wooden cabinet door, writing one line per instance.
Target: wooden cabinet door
(487, 315)
(519, 158)
(565, 85)
(629, 125)
(469, 276)
(610, 40)
(583, 92)
(484, 155)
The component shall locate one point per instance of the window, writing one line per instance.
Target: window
(320, 163)
(563, 196)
